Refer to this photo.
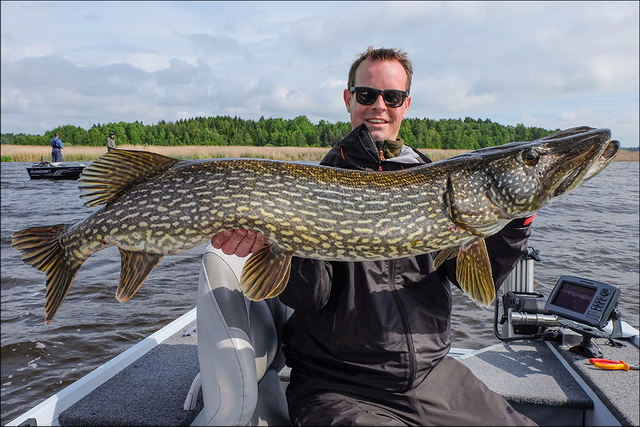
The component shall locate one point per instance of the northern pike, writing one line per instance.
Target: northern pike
(155, 205)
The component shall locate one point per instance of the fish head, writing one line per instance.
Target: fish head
(526, 176)
(516, 180)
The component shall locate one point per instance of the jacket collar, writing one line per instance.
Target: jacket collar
(360, 152)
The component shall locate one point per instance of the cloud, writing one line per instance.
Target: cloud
(214, 45)
(52, 74)
(180, 73)
(543, 64)
(456, 95)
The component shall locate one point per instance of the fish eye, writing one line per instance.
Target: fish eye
(530, 157)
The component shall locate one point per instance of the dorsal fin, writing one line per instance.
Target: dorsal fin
(117, 171)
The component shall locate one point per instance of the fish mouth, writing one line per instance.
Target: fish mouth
(585, 166)
(610, 151)
(608, 154)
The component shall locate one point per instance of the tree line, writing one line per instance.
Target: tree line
(467, 133)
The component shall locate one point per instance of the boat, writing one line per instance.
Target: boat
(220, 363)
(48, 170)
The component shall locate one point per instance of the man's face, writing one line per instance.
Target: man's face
(382, 121)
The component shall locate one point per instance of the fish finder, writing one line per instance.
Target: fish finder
(584, 301)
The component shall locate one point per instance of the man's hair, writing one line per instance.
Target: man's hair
(381, 54)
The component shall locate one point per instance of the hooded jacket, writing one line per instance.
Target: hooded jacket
(379, 324)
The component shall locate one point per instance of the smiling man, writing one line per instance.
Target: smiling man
(377, 100)
(368, 341)
(363, 101)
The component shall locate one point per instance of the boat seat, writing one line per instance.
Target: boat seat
(238, 349)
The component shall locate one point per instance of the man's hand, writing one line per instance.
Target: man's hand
(238, 242)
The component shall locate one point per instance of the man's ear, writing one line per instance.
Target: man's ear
(347, 96)
(407, 104)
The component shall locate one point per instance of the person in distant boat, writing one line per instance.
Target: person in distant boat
(111, 142)
(367, 342)
(56, 148)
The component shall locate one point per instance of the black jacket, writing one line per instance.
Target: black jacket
(381, 324)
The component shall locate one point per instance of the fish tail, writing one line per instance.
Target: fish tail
(41, 248)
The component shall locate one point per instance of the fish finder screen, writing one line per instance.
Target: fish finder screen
(574, 297)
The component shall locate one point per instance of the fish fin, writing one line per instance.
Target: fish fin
(117, 171)
(492, 228)
(266, 273)
(135, 268)
(41, 249)
(473, 271)
(444, 255)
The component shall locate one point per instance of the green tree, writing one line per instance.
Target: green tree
(467, 133)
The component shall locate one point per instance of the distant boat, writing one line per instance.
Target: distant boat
(48, 170)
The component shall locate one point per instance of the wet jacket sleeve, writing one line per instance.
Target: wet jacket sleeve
(312, 279)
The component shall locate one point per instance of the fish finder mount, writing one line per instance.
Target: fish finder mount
(586, 307)
(587, 347)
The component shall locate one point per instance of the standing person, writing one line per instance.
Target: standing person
(56, 148)
(111, 142)
(368, 341)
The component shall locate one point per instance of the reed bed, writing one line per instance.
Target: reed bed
(31, 153)
(26, 153)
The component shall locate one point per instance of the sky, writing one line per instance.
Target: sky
(545, 64)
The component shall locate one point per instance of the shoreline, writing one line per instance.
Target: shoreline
(33, 153)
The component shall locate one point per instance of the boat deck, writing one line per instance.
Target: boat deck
(618, 390)
(520, 371)
(149, 392)
(554, 386)
(550, 385)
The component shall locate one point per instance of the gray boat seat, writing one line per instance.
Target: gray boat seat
(238, 349)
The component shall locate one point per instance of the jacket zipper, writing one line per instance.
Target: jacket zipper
(405, 324)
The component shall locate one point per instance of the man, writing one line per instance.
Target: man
(367, 341)
(56, 148)
(111, 142)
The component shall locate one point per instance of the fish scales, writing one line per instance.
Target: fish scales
(152, 206)
(307, 210)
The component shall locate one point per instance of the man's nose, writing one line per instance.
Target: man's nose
(379, 104)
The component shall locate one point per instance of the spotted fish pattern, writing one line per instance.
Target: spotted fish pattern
(152, 206)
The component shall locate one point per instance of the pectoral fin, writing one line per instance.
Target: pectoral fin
(266, 273)
(444, 255)
(473, 271)
(135, 267)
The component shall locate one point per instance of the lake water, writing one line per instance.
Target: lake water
(591, 233)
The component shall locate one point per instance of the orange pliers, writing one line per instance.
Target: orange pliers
(612, 364)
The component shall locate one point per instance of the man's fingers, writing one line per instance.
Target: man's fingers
(238, 242)
(244, 246)
(218, 239)
(259, 243)
(231, 245)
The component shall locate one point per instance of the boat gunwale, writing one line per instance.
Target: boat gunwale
(51, 408)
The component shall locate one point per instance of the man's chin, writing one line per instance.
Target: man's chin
(378, 134)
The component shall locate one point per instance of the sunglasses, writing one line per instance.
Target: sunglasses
(367, 96)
